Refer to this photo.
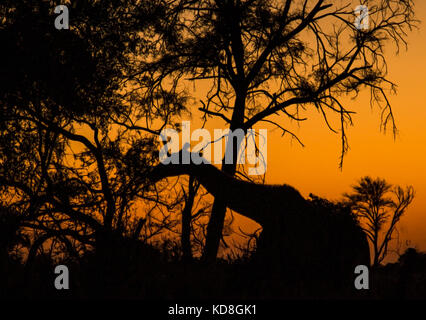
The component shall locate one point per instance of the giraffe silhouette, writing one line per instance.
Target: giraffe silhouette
(298, 235)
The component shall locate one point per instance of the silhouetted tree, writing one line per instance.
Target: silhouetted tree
(267, 61)
(9, 228)
(186, 219)
(379, 206)
(74, 137)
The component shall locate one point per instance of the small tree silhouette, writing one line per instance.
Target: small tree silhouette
(376, 202)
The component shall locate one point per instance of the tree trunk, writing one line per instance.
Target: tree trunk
(217, 217)
(375, 245)
(186, 221)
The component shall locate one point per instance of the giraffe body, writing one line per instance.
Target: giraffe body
(299, 237)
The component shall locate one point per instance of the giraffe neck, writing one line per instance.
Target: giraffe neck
(261, 203)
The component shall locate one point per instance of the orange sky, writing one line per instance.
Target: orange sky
(401, 161)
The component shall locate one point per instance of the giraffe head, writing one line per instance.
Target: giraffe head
(178, 163)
